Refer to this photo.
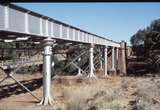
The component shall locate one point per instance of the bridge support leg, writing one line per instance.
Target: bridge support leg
(47, 99)
(123, 59)
(101, 62)
(91, 65)
(117, 58)
(79, 70)
(105, 61)
(117, 53)
(113, 62)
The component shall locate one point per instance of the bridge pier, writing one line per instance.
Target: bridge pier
(47, 98)
(79, 70)
(123, 59)
(117, 59)
(105, 61)
(91, 64)
(101, 62)
(113, 59)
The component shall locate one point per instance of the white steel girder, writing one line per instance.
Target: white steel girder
(38, 25)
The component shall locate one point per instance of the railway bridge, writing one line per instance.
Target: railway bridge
(20, 24)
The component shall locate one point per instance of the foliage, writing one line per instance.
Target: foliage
(146, 43)
(138, 38)
(148, 37)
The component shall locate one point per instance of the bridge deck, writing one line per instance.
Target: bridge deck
(15, 20)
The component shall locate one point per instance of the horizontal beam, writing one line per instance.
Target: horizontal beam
(16, 19)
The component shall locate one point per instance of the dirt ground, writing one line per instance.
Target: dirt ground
(72, 93)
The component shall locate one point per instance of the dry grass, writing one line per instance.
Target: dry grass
(91, 94)
(148, 94)
(94, 95)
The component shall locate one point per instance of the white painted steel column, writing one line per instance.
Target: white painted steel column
(47, 99)
(91, 64)
(79, 70)
(117, 55)
(101, 63)
(105, 61)
(113, 56)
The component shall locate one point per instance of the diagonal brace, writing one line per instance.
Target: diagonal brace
(24, 87)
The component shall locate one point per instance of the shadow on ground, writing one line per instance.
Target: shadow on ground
(138, 67)
(15, 89)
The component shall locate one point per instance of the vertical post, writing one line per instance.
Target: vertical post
(101, 62)
(79, 70)
(51, 26)
(26, 23)
(123, 58)
(91, 65)
(67, 32)
(78, 38)
(117, 56)
(6, 16)
(117, 53)
(113, 62)
(40, 27)
(74, 34)
(60, 33)
(47, 28)
(105, 61)
(47, 99)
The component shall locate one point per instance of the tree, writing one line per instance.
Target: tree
(147, 41)
(138, 38)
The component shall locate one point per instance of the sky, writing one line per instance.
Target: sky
(115, 21)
